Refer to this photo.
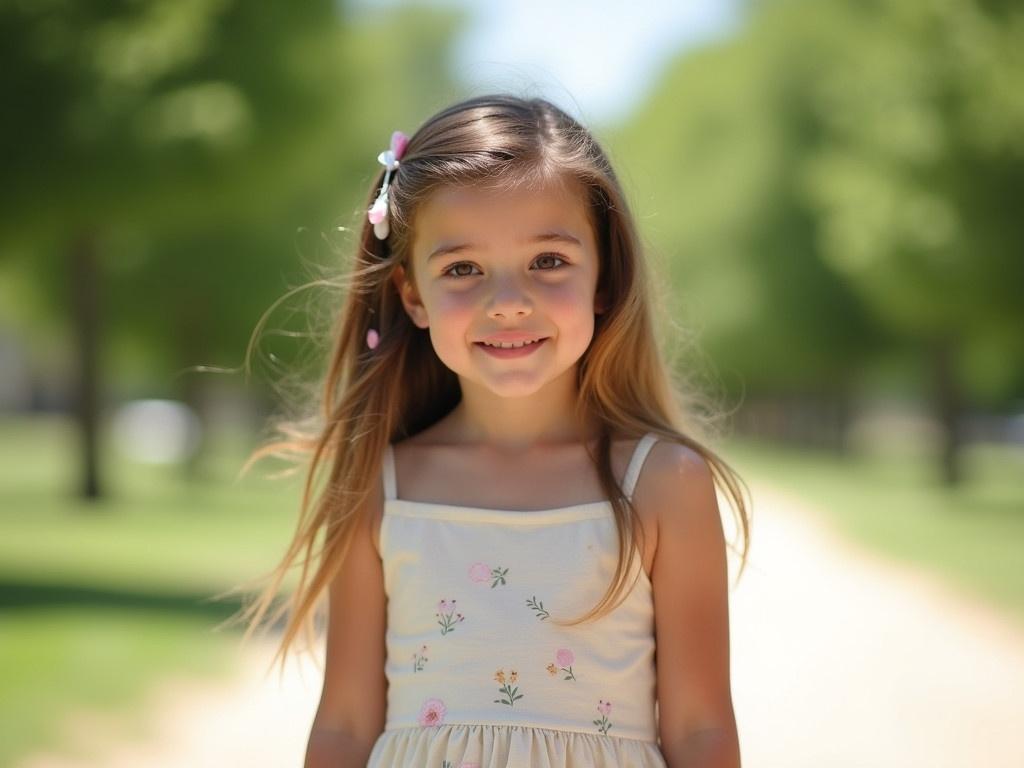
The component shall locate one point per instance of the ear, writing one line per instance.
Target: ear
(600, 303)
(410, 297)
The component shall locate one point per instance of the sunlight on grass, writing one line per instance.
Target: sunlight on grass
(98, 602)
(62, 661)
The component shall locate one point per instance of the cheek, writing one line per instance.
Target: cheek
(452, 313)
(572, 305)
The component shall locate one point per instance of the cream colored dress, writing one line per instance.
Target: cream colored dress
(477, 673)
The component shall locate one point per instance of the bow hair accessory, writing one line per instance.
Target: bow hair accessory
(378, 214)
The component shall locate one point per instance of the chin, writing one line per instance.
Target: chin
(515, 390)
(511, 387)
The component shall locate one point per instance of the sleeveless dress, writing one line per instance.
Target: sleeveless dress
(477, 673)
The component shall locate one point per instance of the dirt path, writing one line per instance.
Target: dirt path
(840, 659)
(845, 659)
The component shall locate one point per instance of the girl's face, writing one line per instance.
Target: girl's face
(489, 263)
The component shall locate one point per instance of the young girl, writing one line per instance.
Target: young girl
(520, 543)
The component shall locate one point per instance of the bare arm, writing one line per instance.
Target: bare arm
(696, 722)
(335, 749)
(718, 748)
(351, 714)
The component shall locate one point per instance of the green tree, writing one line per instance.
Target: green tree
(920, 180)
(839, 178)
(167, 153)
(715, 153)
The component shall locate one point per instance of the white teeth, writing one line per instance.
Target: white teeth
(510, 345)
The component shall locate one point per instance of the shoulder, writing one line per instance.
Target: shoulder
(676, 472)
(676, 488)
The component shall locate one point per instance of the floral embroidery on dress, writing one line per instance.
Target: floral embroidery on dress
(604, 707)
(538, 607)
(447, 617)
(450, 764)
(418, 659)
(483, 572)
(506, 689)
(432, 712)
(564, 658)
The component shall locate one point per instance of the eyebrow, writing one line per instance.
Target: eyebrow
(543, 237)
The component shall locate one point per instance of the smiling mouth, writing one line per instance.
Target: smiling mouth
(517, 345)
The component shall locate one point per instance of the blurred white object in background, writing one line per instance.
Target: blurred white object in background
(156, 431)
(1015, 429)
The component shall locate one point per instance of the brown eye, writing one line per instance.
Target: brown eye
(551, 256)
(450, 271)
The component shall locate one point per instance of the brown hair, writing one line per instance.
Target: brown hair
(371, 397)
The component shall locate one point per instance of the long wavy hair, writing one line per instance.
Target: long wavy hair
(370, 397)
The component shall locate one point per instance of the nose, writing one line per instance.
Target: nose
(509, 300)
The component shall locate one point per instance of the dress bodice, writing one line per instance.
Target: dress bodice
(472, 592)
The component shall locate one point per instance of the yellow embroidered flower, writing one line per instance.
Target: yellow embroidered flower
(499, 676)
(513, 676)
(552, 670)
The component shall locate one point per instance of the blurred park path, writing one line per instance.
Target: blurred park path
(839, 659)
(845, 659)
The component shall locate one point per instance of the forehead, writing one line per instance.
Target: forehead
(484, 216)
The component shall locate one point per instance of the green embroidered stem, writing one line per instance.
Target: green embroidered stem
(538, 607)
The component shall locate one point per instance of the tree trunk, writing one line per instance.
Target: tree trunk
(949, 404)
(85, 316)
(842, 410)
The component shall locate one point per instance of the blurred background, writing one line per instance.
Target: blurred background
(832, 190)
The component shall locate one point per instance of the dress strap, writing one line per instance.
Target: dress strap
(388, 470)
(636, 462)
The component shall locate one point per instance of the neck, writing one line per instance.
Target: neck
(514, 424)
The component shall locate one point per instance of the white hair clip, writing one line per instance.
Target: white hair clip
(378, 213)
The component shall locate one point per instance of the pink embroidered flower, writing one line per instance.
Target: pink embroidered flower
(481, 572)
(603, 725)
(565, 658)
(419, 658)
(470, 765)
(432, 712)
(447, 617)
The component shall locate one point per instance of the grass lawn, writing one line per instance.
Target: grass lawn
(893, 503)
(62, 660)
(98, 602)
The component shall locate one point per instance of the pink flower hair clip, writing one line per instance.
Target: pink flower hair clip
(372, 338)
(378, 213)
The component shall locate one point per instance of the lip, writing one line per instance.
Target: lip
(529, 349)
(513, 337)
